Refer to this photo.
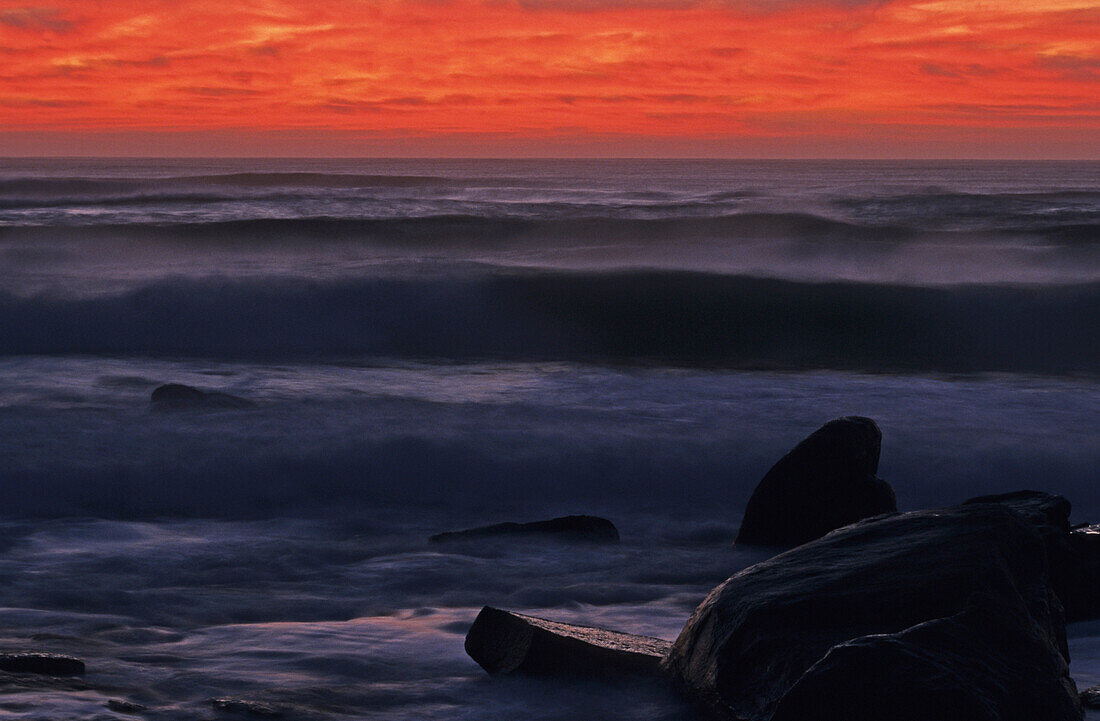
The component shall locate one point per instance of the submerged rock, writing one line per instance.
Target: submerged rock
(12, 682)
(121, 706)
(827, 481)
(571, 528)
(990, 662)
(756, 635)
(245, 707)
(49, 664)
(506, 642)
(176, 396)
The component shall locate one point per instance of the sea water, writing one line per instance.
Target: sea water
(433, 345)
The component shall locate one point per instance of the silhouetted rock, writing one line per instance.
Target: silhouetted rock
(506, 642)
(1081, 592)
(827, 481)
(245, 707)
(570, 528)
(175, 396)
(1090, 697)
(990, 662)
(753, 638)
(49, 664)
(1073, 554)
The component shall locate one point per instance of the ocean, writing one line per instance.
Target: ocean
(437, 344)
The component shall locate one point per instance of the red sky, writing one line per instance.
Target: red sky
(776, 78)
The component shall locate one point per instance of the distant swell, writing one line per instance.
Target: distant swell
(479, 229)
(39, 186)
(644, 317)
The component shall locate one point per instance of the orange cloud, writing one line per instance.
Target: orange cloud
(532, 69)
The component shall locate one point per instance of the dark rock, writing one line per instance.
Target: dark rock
(1081, 590)
(124, 706)
(1090, 697)
(506, 642)
(989, 663)
(754, 636)
(48, 664)
(1047, 512)
(175, 396)
(570, 528)
(1072, 553)
(827, 481)
(1049, 515)
(245, 707)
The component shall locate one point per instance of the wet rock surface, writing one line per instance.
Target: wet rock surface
(826, 482)
(588, 529)
(1073, 554)
(755, 636)
(505, 642)
(988, 663)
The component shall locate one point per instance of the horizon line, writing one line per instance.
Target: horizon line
(502, 158)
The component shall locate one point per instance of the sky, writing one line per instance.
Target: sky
(551, 78)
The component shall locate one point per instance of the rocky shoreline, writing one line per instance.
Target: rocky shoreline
(862, 613)
(951, 613)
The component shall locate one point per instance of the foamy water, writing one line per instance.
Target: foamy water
(435, 345)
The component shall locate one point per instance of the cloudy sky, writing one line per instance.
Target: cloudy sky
(786, 78)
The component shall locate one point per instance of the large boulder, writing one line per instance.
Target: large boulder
(1073, 554)
(827, 481)
(506, 642)
(989, 663)
(587, 529)
(1081, 589)
(756, 635)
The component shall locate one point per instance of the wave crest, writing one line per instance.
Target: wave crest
(624, 317)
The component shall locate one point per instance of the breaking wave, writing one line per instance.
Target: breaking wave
(650, 317)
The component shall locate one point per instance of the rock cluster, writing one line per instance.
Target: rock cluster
(953, 613)
(946, 608)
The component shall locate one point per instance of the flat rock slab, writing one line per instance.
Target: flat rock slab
(47, 664)
(506, 642)
(589, 529)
